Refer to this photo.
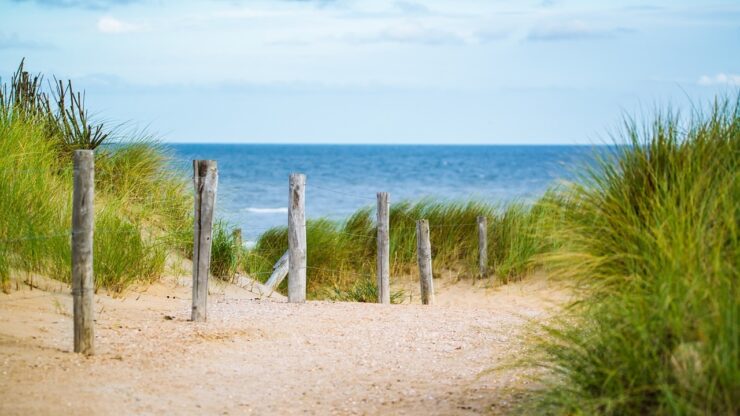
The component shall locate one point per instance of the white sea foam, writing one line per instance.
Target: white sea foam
(282, 210)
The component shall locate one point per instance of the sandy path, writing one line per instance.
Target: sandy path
(268, 357)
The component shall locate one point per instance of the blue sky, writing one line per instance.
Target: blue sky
(378, 71)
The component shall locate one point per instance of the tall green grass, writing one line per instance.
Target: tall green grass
(341, 255)
(226, 251)
(141, 204)
(652, 234)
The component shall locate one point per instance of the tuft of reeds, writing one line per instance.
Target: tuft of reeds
(651, 235)
(62, 113)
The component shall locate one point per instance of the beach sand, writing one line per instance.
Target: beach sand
(265, 356)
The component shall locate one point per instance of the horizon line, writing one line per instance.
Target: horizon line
(380, 144)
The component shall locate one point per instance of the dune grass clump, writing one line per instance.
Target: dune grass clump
(364, 289)
(341, 255)
(335, 258)
(652, 234)
(226, 251)
(140, 202)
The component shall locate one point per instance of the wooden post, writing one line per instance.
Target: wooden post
(83, 221)
(384, 252)
(205, 181)
(483, 246)
(279, 271)
(424, 257)
(297, 239)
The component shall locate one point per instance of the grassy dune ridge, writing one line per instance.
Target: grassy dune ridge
(142, 207)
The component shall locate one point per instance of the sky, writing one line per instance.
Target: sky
(378, 71)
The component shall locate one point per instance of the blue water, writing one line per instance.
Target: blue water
(253, 179)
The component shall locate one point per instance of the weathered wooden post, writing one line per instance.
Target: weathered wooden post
(384, 252)
(83, 221)
(205, 181)
(483, 246)
(297, 239)
(279, 271)
(424, 257)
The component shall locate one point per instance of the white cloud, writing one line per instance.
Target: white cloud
(409, 7)
(572, 30)
(249, 13)
(408, 33)
(720, 79)
(86, 4)
(108, 24)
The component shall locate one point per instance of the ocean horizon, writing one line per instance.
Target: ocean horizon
(253, 178)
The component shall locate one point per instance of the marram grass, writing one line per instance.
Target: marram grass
(651, 233)
(141, 204)
(341, 255)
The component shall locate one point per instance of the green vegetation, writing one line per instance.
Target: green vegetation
(365, 289)
(652, 236)
(141, 204)
(341, 256)
(226, 251)
(649, 236)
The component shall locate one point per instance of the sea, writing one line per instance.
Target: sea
(253, 178)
